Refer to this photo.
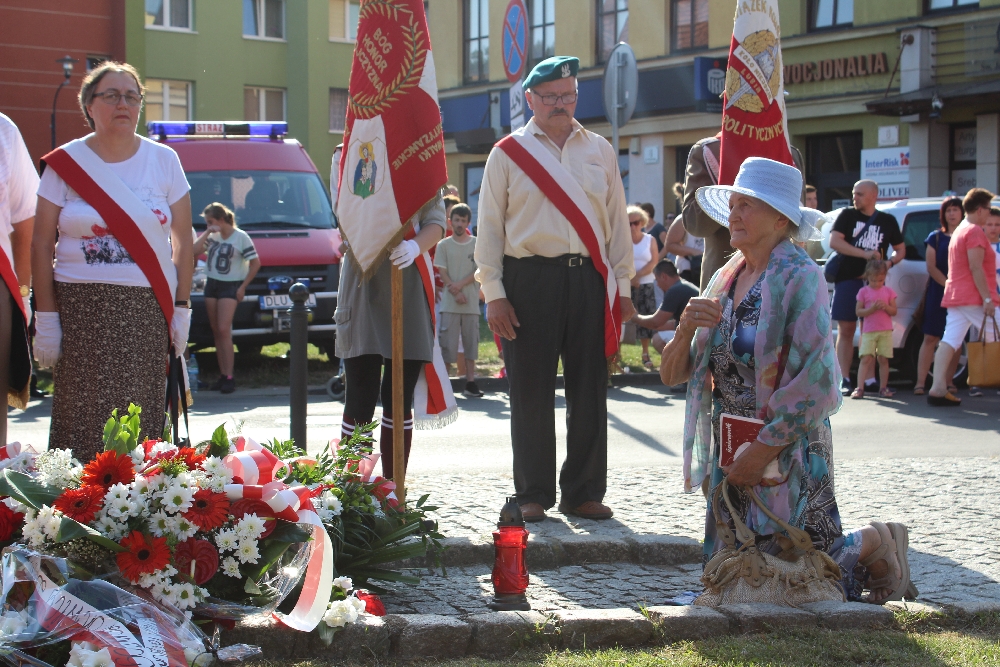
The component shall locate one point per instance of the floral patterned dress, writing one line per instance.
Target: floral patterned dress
(808, 463)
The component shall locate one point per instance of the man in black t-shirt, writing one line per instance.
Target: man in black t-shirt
(858, 241)
(676, 294)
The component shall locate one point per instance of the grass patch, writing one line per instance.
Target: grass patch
(920, 641)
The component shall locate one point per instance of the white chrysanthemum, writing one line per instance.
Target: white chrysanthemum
(250, 527)
(344, 583)
(158, 483)
(178, 498)
(357, 603)
(160, 523)
(13, 623)
(230, 567)
(332, 503)
(183, 528)
(57, 468)
(247, 551)
(117, 492)
(138, 458)
(215, 467)
(227, 540)
(185, 479)
(340, 613)
(80, 656)
(123, 508)
(110, 528)
(141, 489)
(186, 596)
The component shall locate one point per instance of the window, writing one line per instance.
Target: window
(830, 13)
(690, 23)
(169, 14)
(264, 18)
(263, 104)
(935, 5)
(338, 109)
(93, 62)
(917, 227)
(344, 19)
(612, 25)
(476, 38)
(168, 100)
(542, 35)
(263, 198)
(473, 184)
(833, 165)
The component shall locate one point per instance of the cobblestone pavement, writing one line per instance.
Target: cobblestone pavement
(946, 502)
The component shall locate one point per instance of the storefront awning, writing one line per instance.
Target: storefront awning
(918, 101)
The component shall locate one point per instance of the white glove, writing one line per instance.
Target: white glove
(405, 253)
(48, 339)
(180, 325)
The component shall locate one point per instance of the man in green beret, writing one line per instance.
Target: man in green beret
(554, 258)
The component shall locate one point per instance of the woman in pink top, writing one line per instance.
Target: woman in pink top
(877, 306)
(968, 292)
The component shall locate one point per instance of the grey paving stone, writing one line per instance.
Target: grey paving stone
(593, 628)
(585, 549)
(689, 622)
(664, 550)
(917, 607)
(850, 615)
(976, 606)
(368, 637)
(428, 636)
(766, 617)
(504, 633)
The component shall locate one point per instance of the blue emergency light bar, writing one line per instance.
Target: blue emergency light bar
(163, 129)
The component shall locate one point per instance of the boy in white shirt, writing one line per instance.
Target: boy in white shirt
(455, 258)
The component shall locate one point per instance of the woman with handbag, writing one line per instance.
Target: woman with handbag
(760, 336)
(116, 296)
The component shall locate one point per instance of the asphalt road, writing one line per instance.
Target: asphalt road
(644, 427)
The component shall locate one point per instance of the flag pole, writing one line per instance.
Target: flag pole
(398, 425)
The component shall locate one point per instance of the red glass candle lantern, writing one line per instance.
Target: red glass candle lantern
(510, 571)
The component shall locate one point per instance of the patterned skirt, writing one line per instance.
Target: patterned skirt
(644, 300)
(114, 352)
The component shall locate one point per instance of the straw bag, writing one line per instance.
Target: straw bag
(799, 575)
(984, 358)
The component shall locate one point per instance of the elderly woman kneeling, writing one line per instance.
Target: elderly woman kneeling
(758, 345)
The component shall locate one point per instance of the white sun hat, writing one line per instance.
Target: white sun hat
(776, 184)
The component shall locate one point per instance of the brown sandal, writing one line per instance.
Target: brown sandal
(895, 540)
(919, 391)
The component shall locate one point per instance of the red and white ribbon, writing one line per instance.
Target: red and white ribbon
(255, 465)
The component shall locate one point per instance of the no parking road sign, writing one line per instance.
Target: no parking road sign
(515, 40)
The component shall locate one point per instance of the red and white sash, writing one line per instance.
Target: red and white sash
(434, 404)
(569, 197)
(9, 277)
(129, 219)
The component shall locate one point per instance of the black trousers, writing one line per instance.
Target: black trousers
(364, 381)
(561, 313)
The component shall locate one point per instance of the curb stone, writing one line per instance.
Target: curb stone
(593, 628)
(689, 622)
(548, 553)
(500, 634)
(504, 634)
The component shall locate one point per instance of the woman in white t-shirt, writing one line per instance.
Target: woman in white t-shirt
(231, 266)
(645, 254)
(99, 323)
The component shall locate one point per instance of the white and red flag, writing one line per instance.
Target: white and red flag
(754, 123)
(393, 161)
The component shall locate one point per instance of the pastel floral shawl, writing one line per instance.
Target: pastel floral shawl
(794, 346)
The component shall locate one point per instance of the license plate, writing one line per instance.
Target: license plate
(280, 301)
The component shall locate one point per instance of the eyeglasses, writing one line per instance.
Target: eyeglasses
(113, 96)
(635, 223)
(552, 100)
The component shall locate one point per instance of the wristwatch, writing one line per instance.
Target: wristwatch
(25, 290)
(987, 300)
(184, 304)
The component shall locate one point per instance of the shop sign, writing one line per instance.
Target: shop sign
(836, 68)
(709, 83)
(963, 180)
(965, 145)
(890, 168)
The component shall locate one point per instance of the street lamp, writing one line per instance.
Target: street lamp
(67, 65)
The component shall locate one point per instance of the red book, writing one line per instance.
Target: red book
(736, 433)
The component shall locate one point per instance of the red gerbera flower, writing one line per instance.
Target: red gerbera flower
(108, 469)
(258, 507)
(144, 554)
(81, 504)
(197, 559)
(209, 509)
(10, 522)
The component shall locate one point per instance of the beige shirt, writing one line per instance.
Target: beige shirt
(516, 219)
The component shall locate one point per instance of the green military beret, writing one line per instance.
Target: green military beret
(552, 69)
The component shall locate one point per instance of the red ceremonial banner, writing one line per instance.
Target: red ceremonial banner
(753, 116)
(393, 160)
